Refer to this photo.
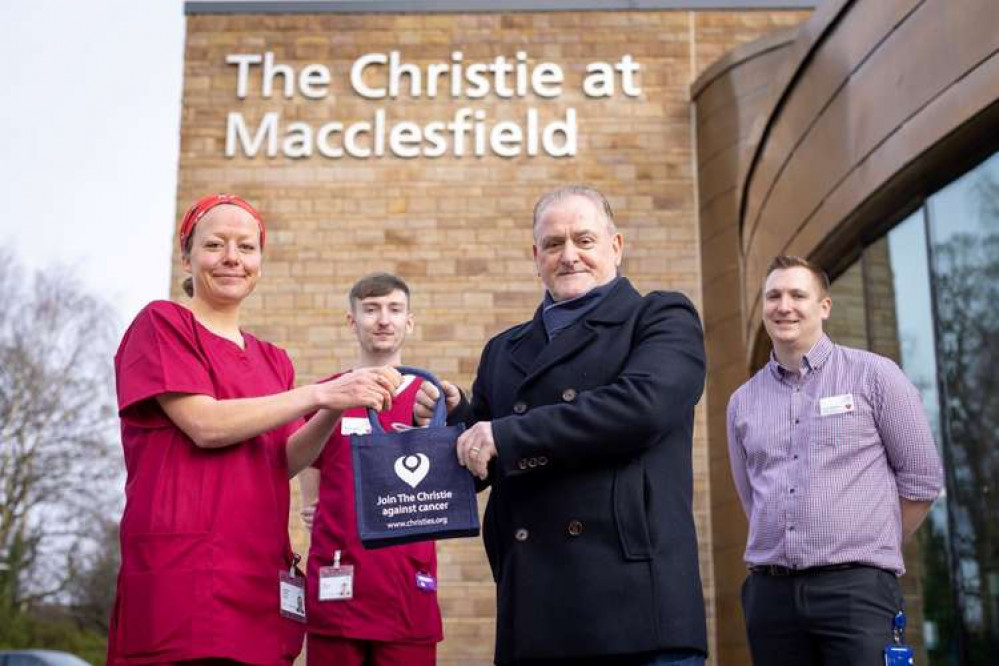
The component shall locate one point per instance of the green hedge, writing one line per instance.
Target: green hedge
(18, 632)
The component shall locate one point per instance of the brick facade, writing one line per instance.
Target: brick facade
(456, 228)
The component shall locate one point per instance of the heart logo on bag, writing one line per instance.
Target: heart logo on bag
(412, 469)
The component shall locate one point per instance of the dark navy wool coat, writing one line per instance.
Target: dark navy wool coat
(589, 528)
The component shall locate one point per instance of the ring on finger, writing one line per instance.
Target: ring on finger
(475, 449)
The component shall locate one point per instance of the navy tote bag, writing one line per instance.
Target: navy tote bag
(408, 485)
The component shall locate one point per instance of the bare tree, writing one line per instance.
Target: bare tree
(58, 467)
(93, 578)
(966, 265)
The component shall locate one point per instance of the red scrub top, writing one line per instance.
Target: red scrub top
(205, 531)
(387, 604)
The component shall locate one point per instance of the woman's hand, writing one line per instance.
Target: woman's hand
(364, 387)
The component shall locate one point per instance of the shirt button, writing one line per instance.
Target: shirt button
(569, 394)
(575, 528)
(791, 528)
(519, 407)
(795, 456)
(521, 534)
(797, 421)
(792, 491)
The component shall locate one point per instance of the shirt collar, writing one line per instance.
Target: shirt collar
(578, 301)
(559, 315)
(813, 359)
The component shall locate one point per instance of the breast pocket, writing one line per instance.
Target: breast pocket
(838, 430)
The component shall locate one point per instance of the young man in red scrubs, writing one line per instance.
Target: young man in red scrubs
(382, 609)
(212, 430)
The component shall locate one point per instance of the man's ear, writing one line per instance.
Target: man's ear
(825, 308)
(617, 243)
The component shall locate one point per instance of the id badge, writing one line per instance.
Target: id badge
(426, 582)
(292, 596)
(336, 583)
(836, 404)
(898, 655)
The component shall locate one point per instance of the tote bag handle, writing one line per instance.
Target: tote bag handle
(439, 418)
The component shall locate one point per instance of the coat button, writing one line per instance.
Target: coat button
(521, 534)
(575, 528)
(532, 462)
(542, 460)
(519, 407)
(569, 394)
(522, 463)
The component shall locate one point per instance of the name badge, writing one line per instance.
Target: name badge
(355, 425)
(336, 583)
(292, 596)
(837, 404)
(426, 581)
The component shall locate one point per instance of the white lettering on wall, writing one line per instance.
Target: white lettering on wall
(469, 132)
(236, 129)
(243, 62)
(388, 76)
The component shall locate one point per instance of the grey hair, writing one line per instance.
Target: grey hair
(563, 193)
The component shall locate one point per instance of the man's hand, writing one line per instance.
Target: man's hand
(913, 513)
(476, 447)
(426, 398)
(308, 514)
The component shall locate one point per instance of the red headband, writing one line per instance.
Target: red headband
(205, 204)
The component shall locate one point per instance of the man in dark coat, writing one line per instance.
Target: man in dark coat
(582, 427)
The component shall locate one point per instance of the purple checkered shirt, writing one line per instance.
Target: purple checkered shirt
(820, 479)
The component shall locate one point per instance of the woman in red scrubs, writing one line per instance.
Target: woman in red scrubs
(212, 430)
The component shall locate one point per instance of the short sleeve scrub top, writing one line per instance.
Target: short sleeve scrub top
(204, 535)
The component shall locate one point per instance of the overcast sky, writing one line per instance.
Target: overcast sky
(90, 116)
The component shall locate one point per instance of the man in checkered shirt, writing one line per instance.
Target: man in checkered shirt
(835, 465)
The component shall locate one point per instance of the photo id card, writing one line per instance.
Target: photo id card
(292, 597)
(336, 583)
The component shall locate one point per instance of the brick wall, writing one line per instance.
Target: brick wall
(457, 229)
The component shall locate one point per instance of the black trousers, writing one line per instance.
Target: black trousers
(825, 618)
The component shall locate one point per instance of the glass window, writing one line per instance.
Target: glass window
(927, 295)
(964, 232)
(928, 586)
